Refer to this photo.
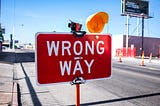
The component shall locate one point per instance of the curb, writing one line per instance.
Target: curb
(14, 95)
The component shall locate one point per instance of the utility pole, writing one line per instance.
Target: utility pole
(142, 33)
(127, 33)
(13, 34)
(138, 26)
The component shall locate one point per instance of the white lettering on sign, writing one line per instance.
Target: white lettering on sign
(90, 48)
(78, 48)
(100, 50)
(65, 66)
(66, 45)
(53, 46)
(89, 65)
(77, 67)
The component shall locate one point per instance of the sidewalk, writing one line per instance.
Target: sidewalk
(8, 89)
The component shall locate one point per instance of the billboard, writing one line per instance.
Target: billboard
(135, 7)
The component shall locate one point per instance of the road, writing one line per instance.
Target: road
(130, 85)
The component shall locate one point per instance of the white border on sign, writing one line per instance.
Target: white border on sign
(69, 82)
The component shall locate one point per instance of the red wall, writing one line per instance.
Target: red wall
(150, 45)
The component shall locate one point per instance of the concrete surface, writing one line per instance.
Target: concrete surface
(8, 84)
(8, 88)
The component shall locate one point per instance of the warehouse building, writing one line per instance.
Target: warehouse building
(150, 45)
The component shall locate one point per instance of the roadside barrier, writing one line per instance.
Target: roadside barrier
(120, 56)
(150, 57)
(142, 62)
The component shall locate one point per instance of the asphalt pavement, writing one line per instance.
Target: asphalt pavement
(130, 85)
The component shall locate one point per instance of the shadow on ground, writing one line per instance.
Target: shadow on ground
(120, 99)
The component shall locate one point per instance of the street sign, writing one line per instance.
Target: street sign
(61, 57)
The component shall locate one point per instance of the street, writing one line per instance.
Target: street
(129, 85)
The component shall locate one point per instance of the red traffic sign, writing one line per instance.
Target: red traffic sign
(61, 57)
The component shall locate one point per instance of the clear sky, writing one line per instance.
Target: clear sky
(31, 16)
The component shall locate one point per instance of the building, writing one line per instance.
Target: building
(150, 45)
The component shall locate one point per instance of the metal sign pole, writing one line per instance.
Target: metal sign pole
(77, 81)
(77, 94)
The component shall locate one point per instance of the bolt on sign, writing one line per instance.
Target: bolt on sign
(61, 57)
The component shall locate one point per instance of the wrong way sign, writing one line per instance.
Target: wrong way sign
(61, 57)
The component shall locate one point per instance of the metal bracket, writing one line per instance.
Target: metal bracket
(79, 33)
(78, 80)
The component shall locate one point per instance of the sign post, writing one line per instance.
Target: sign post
(77, 94)
(77, 81)
(64, 57)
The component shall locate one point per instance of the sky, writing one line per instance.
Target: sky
(24, 18)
